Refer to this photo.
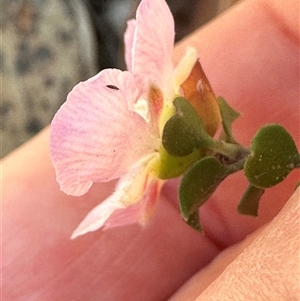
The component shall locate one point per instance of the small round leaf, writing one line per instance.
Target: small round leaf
(198, 184)
(179, 138)
(273, 156)
(184, 132)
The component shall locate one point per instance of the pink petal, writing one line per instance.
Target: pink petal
(97, 217)
(129, 191)
(151, 196)
(95, 137)
(124, 217)
(140, 212)
(152, 44)
(128, 41)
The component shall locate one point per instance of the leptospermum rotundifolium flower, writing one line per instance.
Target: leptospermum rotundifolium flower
(111, 125)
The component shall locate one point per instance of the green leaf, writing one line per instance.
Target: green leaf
(193, 221)
(229, 115)
(273, 155)
(179, 138)
(184, 132)
(250, 200)
(198, 184)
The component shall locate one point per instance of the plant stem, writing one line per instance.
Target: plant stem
(230, 150)
(239, 165)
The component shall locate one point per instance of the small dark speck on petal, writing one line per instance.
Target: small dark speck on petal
(112, 87)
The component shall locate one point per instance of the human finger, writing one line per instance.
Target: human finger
(265, 266)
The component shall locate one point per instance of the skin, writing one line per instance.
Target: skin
(251, 56)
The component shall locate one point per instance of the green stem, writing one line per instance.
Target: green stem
(239, 165)
(230, 150)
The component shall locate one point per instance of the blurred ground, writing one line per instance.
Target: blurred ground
(49, 46)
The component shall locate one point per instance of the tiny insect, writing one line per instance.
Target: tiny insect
(112, 87)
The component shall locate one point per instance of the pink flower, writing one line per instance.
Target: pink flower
(110, 126)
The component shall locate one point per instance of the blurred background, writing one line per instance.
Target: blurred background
(47, 47)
